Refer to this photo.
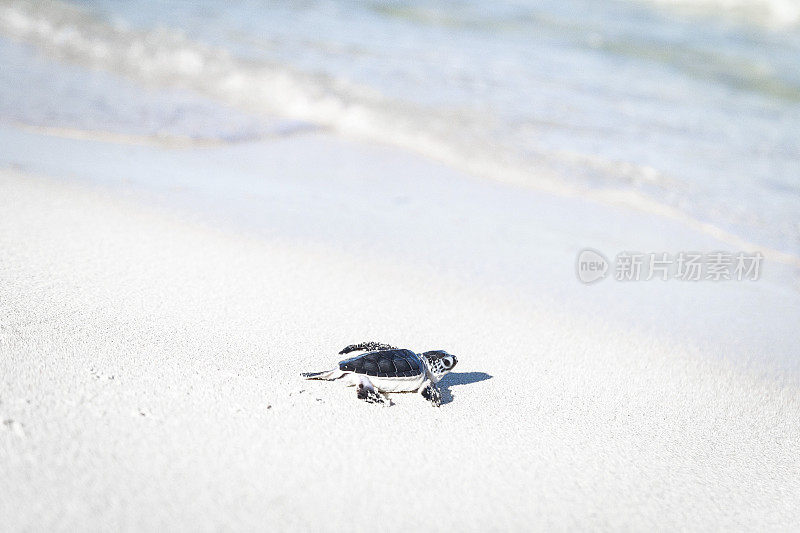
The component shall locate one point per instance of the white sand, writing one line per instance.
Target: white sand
(150, 378)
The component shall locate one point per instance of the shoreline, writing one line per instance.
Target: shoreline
(612, 198)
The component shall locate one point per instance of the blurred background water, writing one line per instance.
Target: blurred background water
(695, 105)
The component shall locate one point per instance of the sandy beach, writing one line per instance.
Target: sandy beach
(201, 201)
(151, 364)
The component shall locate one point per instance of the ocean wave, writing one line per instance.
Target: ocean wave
(164, 57)
(776, 14)
(462, 138)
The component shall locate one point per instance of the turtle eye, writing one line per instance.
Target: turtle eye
(447, 363)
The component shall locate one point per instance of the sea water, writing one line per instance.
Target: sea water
(691, 105)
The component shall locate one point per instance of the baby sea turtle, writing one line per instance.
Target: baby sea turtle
(384, 368)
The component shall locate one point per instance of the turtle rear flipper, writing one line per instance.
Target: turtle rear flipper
(328, 375)
(366, 391)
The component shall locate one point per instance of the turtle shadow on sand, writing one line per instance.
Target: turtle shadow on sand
(454, 379)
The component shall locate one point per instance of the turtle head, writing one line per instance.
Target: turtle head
(439, 363)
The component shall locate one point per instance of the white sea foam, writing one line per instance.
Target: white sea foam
(771, 13)
(168, 58)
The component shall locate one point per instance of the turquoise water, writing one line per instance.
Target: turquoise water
(695, 107)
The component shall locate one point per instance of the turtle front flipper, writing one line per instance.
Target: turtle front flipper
(366, 391)
(368, 346)
(432, 393)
